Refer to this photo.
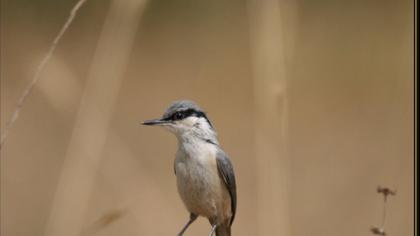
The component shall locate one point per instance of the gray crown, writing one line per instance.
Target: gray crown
(181, 105)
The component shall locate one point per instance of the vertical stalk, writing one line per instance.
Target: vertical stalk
(92, 122)
(271, 109)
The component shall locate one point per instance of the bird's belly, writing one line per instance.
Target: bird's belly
(199, 187)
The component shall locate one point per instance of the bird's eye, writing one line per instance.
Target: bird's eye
(178, 116)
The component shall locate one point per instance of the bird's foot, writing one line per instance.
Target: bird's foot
(213, 228)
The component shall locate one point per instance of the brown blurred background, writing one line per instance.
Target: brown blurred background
(312, 100)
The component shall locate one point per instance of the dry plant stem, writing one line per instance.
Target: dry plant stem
(70, 204)
(271, 106)
(38, 72)
(384, 213)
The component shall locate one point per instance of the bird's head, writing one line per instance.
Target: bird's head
(184, 118)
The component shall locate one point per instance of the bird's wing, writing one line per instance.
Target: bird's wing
(225, 168)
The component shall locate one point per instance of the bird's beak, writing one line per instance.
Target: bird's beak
(155, 122)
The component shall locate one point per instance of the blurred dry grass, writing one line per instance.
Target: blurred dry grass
(348, 67)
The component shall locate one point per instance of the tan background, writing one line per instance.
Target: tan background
(350, 114)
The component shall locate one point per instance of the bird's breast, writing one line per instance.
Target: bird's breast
(198, 181)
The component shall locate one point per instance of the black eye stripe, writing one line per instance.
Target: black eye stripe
(179, 115)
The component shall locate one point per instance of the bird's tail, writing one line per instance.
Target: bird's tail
(223, 230)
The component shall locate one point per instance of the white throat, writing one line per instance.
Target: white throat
(194, 130)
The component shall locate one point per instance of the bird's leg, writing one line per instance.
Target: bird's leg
(193, 217)
(213, 228)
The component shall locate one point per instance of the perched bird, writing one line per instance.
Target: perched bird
(204, 173)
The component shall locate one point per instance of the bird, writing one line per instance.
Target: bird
(204, 173)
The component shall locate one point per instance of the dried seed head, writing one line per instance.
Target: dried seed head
(377, 230)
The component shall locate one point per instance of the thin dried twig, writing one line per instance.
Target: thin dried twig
(38, 72)
(386, 192)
